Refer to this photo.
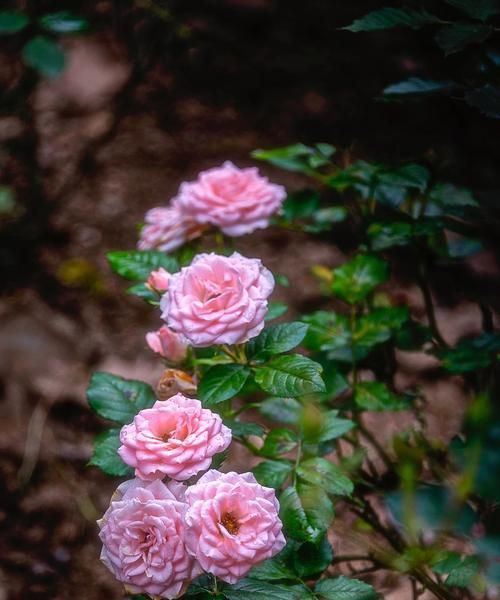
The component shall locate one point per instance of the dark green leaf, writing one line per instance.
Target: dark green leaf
(299, 205)
(272, 473)
(310, 559)
(44, 55)
(118, 399)
(244, 429)
(64, 22)
(326, 475)
(387, 235)
(376, 396)
(486, 99)
(415, 87)
(291, 158)
(478, 9)
(446, 561)
(306, 512)
(138, 264)
(448, 195)
(378, 325)
(327, 331)
(275, 310)
(355, 279)
(290, 375)
(282, 410)
(250, 589)
(142, 291)
(408, 176)
(222, 382)
(463, 574)
(333, 427)
(271, 569)
(12, 21)
(276, 339)
(105, 454)
(279, 441)
(471, 354)
(387, 18)
(454, 38)
(345, 588)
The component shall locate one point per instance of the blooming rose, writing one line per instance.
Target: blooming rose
(218, 299)
(158, 280)
(232, 524)
(176, 438)
(167, 228)
(143, 535)
(168, 344)
(236, 200)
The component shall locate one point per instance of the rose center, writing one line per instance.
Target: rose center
(230, 523)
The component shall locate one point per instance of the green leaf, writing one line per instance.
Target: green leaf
(279, 441)
(345, 588)
(376, 396)
(355, 279)
(470, 354)
(486, 99)
(387, 235)
(118, 399)
(276, 339)
(222, 382)
(326, 475)
(455, 37)
(105, 455)
(302, 204)
(250, 589)
(244, 428)
(12, 21)
(44, 55)
(464, 573)
(142, 291)
(415, 87)
(333, 427)
(408, 176)
(306, 513)
(272, 473)
(446, 561)
(327, 331)
(291, 158)
(448, 195)
(308, 560)
(378, 325)
(64, 22)
(275, 310)
(387, 18)
(290, 375)
(282, 410)
(477, 9)
(271, 569)
(137, 265)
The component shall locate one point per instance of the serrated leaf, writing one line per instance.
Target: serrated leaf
(282, 410)
(137, 265)
(414, 86)
(276, 339)
(478, 9)
(326, 475)
(345, 588)
(355, 279)
(44, 55)
(251, 589)
(279, 441)
(456, 37)
(105, 454)
(290, 375)
(271, 569)
(272, 473)
(222, 382)
(118, 399)
(275, 310)
(142, 291)
(486, 99)
(64, 21)
(12, 21)
(306, 515)
(376, 396)
(388, 18)
(334, 427)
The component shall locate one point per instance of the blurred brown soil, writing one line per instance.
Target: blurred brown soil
(105, 151)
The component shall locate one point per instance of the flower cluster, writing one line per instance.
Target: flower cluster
(237, 201)
(157, 536)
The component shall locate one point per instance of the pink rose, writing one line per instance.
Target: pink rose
(158, 280)
(167, 228)
(177, 438)
(143, 535)
(232, 524)
(218, 299)
(236, 200)
(168, 344)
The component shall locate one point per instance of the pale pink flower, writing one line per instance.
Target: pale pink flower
(167, 228)
(238, 201)
(158, 280)
(143, 535)
(168, 344)
(176, 437)
(232, 524)
(218, 299)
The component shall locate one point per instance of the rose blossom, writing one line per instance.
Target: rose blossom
(158, 280)
(232, 524)
(168, 344)
(236, 200)
(218, 299)
(167, 228)
(143, 536)
(177, 438)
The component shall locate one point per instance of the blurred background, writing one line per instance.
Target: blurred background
(151, 92)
